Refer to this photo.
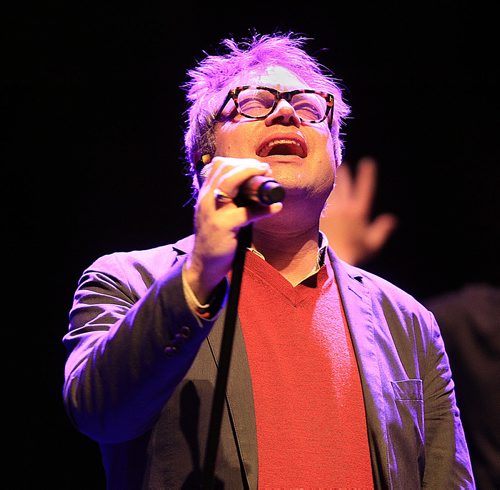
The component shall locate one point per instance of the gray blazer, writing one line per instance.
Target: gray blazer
(141, 371)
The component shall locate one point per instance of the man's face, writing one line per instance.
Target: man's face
(300, 154)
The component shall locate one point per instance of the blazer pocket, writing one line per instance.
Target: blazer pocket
(407, 432)
(409, 412)
(407, 389)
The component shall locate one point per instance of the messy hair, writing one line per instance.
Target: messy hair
(208, 81)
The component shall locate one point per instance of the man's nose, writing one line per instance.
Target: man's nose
(284, 113)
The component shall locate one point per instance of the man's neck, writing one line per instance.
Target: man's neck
(294, 254)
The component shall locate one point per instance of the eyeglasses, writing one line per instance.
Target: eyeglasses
(310, 105)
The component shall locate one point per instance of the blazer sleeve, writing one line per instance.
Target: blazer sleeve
(131, 340)
(447, 461)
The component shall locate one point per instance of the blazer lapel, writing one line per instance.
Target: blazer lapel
(356, 301)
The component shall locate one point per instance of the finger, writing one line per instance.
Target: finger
(221, 197)
(365, 182)
(343, 184)
(223, 178)
(380, 230)
(216, 165)
(233, 178)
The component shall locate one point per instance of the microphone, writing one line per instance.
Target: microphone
(259, 189)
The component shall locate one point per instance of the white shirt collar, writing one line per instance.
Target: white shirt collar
(322, 247)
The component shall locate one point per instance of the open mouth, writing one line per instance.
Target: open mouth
(282, 146)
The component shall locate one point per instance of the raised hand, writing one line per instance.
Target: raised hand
(346, 219)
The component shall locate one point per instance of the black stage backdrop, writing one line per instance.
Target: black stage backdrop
(95, 164)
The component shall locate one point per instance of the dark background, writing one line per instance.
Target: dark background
(94, 161)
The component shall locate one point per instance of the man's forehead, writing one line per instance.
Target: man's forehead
(274, 76)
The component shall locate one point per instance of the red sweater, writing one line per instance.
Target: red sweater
(311, 425)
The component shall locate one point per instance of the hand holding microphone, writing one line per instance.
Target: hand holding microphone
(231, 198)
(258, 189)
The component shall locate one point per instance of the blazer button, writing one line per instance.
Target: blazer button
(171, 349)
(185, 332)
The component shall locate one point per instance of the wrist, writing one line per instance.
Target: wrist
(205, 307)
(198, 282)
